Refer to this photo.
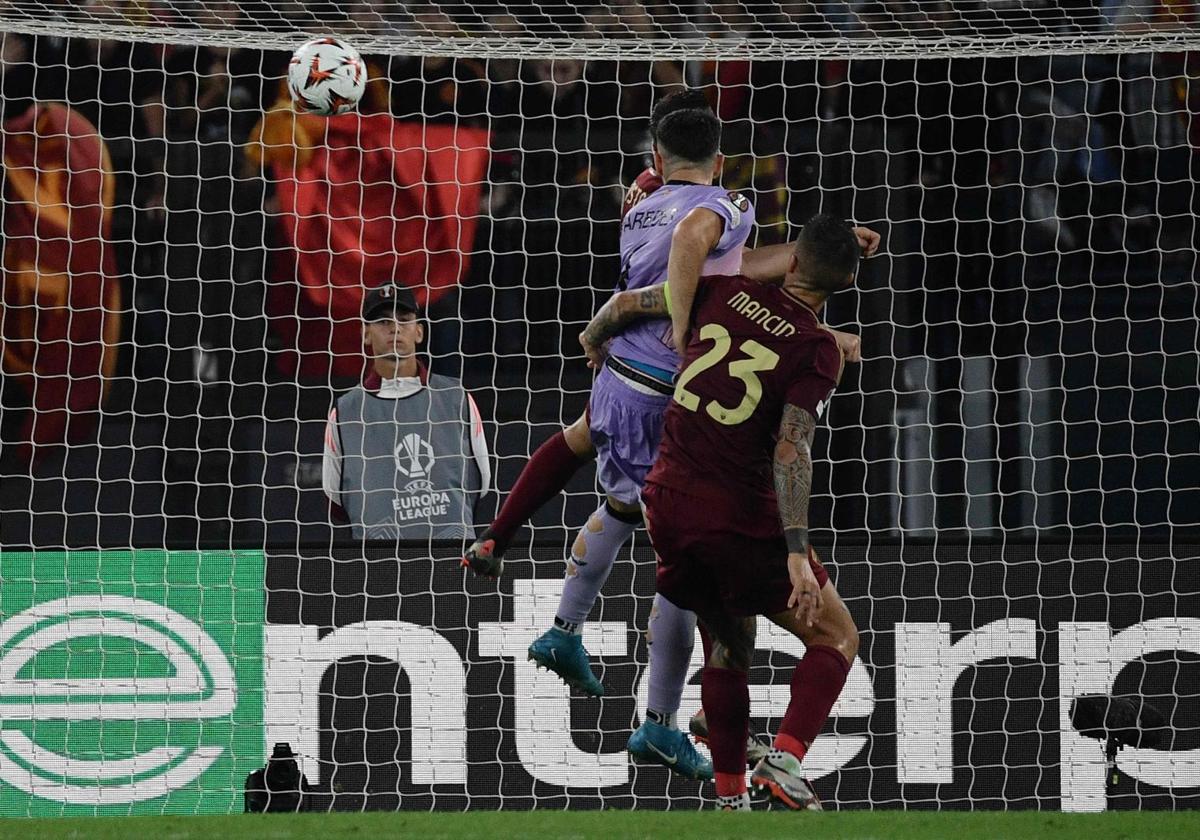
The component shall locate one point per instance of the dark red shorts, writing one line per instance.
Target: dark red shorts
(705, 565)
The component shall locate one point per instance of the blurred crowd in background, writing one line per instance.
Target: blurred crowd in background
(1010, 191)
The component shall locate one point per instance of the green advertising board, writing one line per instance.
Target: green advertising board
(130, 681)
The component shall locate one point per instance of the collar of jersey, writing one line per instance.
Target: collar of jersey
(797, 300)
(399, 387)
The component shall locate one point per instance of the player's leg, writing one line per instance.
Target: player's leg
(671, 633)
(592, 555)
(725, 693)
(756, 749)
(542, 478)
(625, 428)
(831, 644)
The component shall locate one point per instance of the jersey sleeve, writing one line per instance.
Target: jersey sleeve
(331, 460)
(479, 448)
(737, 214)
(814, 381)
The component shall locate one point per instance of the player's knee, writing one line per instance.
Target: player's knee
(847, 644)
(579, 438)
(732, 645)
(840, 634)
(623, 511)
(837, 629)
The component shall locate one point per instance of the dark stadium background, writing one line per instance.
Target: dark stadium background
(947, 425)
(1022, 441)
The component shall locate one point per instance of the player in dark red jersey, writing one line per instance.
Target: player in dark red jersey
(727, 500)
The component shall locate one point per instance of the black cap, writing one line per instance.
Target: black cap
(387, 299)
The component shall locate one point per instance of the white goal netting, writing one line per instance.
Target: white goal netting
(627, 30)
(1009, 478)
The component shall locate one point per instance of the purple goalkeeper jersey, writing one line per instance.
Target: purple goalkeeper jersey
(646, 246)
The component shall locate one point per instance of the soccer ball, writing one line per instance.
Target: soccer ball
(326, 76)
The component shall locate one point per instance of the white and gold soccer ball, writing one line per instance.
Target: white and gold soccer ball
(326, 76)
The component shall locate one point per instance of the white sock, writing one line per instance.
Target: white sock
(740, 802)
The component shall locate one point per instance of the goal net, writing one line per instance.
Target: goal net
(1006, 484)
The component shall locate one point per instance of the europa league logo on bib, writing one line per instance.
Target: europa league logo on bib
(414, 460)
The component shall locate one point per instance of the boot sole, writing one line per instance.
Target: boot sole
(777, 791)
(655, 761)
(569, 681)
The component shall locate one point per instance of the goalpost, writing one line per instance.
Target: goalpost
(1012, 467)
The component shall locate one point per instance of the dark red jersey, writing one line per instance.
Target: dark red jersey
(753, 349)
(643, 185)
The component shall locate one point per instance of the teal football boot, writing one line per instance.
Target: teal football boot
(654, 743)
(564, 654)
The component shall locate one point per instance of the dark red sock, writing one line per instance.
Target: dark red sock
(816, 684)
(726, 698)
(542, 478)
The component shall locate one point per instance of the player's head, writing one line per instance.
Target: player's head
(680, 100)
(826, 257)
(688, 139)
(392, 330)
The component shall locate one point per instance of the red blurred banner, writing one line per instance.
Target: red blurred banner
(60, 321)
(363, 200)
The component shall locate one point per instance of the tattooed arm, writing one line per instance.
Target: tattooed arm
(793, 475)
(793, 486)
(620, 310)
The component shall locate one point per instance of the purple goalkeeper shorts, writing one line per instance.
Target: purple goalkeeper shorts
(626, 427)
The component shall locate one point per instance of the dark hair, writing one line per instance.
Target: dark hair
(827, 251)
(691, 135)
(680, 100)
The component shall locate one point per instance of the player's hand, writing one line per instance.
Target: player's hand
(806, 594)
(849, 344)
(868, 240)
(595, 352)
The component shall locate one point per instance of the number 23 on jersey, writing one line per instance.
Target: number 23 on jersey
(757, 358)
